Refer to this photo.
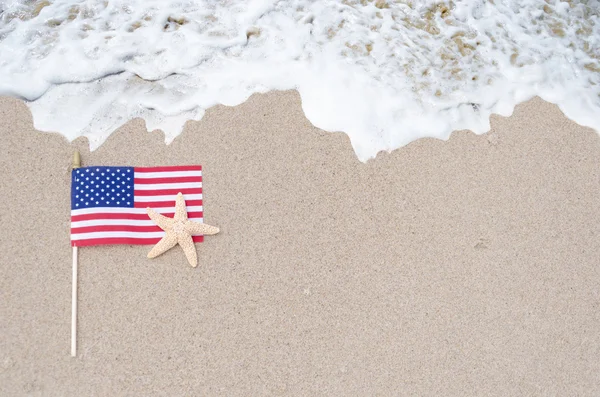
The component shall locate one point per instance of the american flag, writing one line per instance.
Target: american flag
(108, 204)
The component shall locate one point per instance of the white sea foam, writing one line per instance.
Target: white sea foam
(384, 72)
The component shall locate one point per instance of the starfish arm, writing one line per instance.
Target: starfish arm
(195, 228)
(165, 244)
(162, 221)
(187, 244)
(180, 210)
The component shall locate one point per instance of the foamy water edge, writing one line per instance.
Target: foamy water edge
(385, 73)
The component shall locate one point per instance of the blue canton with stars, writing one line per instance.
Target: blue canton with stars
(93, 187)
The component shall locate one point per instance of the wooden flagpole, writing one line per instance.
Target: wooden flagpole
(76, 164)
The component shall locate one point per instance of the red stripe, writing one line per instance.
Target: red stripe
(159, 204)
(167, 192)
(178, 179)
(128, 240)
(169, 168)
(115, 228)
(143, 217)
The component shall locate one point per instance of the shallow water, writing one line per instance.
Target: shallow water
(384, 72)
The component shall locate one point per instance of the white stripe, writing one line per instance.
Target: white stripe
(166, 174)
(109, 210)
(114, 222)
(145, 199)
(87, 236)
(159, 186)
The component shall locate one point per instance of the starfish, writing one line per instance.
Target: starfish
(179, 230)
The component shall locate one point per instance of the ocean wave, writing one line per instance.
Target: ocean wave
(384, 72)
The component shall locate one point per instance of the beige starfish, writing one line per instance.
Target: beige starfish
(179, 230)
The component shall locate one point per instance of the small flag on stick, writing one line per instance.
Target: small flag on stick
(109, 205)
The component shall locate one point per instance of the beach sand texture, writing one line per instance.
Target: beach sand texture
(466, 267)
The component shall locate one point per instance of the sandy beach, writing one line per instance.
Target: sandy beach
(458, 268)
